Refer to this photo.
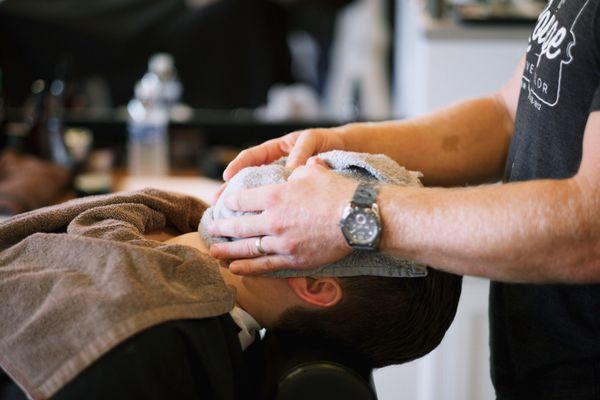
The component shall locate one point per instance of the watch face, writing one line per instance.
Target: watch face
(361, 227)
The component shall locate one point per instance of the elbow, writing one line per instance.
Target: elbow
(583, 267)
(585, 246)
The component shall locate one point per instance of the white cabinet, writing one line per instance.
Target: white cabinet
(440, 62)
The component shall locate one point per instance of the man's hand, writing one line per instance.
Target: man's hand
(299, 223)
(298, 146)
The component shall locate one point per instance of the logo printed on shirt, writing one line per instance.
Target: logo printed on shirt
(550, 49)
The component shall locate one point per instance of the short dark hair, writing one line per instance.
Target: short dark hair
(384, 321)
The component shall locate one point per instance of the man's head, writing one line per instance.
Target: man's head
(383, 320)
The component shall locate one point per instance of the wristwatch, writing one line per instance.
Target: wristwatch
(361, 223)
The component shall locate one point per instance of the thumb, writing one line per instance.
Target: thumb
(218, 193)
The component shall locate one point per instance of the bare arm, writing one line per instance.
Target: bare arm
(538, 231)
(464, 143)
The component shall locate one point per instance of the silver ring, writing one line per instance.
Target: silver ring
(258, 246)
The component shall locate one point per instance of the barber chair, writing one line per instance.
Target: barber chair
(300, 369)
(292, 369)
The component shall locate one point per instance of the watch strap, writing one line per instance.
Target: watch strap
(365, 195)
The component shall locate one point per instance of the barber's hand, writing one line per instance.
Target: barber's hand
(299, 146)
(299, 223)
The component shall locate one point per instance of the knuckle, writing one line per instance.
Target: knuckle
(243, 154)
(275, 226)
(272, 198)
(290, 246)
(268, 264)
(308, 134)
(301, 261)
(250, 248)
(302, 172)
(215, 250)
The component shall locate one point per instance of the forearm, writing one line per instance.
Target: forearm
(464, 143)
(538, 231)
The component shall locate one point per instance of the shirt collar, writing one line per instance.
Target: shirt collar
(247, 324)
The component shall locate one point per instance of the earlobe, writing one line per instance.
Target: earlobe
(319, 292)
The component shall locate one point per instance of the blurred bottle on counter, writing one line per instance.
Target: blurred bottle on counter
(163, 66)
(33, 120)
(43, 118)
(148, 145)
(55, 109)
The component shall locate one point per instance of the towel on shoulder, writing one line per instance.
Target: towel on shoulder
(80, 278)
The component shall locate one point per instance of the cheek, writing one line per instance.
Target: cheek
(272, 292)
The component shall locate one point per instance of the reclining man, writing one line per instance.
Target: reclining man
(93, 306)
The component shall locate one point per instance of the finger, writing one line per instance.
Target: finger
(255, 199)
(317, 161)
(304, 147)
(218, 193)
(259, 265)
(267, 152)
(305, 171)
(245, 248)
(240, 227)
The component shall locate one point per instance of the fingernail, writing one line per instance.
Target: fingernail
(234, 267)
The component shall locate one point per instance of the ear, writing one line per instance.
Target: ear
(320, 292)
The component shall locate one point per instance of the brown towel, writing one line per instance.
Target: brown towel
(78, 278)
(27, 183)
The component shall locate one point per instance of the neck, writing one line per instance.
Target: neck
(244, 287)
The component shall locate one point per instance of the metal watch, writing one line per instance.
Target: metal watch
(361, 223)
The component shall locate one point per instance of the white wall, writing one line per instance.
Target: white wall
(459, 368)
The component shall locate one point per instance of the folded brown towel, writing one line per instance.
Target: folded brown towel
(78, 278)
(27, 183)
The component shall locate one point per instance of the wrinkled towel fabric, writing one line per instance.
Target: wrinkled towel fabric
(78, 278)
(358, 166)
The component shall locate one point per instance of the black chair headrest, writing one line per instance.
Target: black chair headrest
(323, 380)
(297, 368)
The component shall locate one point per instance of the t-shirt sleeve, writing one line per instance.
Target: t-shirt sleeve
(596, 100)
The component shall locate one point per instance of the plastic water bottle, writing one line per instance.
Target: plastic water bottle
(163, 66)
(148, 147)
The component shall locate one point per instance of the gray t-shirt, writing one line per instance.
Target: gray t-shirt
(545, 339)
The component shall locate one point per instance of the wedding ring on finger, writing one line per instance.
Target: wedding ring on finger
(258, 245)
